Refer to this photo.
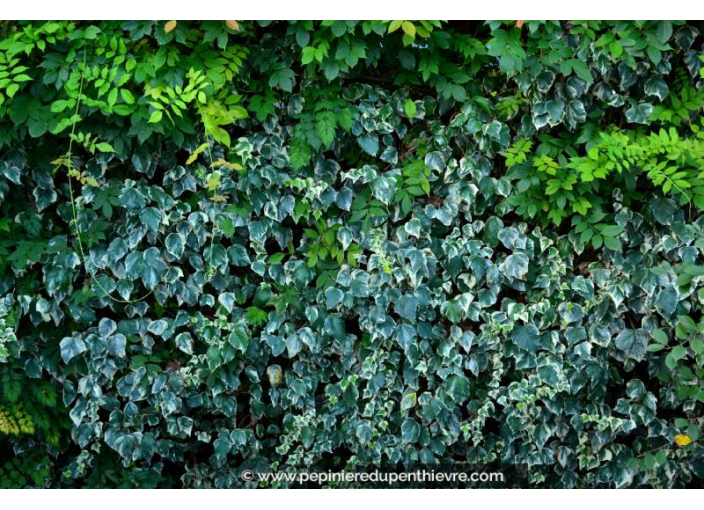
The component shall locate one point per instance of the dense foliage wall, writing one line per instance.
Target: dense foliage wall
(328, 245)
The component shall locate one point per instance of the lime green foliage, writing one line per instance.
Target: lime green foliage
(13, 76)
(154, 90)
(14, 421)
(559, 183)
(675, 165)
(29, 407)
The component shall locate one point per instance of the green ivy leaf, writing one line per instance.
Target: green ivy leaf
(526, 337)
(632, 342)
(71, 347)
(369, 144)
(184, 342)
(410, 431)
(151, 218)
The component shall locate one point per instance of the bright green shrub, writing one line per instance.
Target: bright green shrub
(335, 245)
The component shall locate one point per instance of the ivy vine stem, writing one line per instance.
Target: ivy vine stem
(74, 209)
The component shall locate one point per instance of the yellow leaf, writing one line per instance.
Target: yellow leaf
(230, 166)
(395, 25)
(195, 154)
(170, 26)
(233, 25)
(683, 439)
(409, 28)
(213, 181)
(219, 198)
